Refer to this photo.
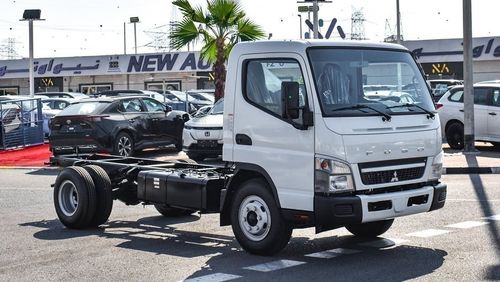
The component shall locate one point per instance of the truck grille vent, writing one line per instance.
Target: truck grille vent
(371, 174)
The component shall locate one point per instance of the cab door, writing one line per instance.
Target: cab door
(263, 138)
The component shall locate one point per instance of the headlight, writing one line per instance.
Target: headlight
(332, 176)
(187, 127)
(437, 166)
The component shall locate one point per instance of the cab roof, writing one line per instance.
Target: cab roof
(301, 45)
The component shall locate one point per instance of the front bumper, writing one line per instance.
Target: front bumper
(333, 212)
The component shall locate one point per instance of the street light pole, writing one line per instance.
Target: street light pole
(124, 39)
(468, 80)
(300, 25)
(31, 72)
(30, 16)
(135, 20)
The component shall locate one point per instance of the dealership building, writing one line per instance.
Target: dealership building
(443, 58)
(440, 58)
(174, 70)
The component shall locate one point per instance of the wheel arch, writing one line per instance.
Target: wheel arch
(244, 172)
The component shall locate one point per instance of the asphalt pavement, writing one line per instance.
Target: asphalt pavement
(460, 242)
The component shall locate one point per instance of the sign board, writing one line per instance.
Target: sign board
(106, 65)
(305, 9)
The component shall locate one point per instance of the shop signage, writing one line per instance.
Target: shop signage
(106, 65)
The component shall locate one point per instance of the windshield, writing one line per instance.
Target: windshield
(84, 108)
(218, 108)
(385, 80)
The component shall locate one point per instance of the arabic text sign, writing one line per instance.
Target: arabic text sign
(106, 65)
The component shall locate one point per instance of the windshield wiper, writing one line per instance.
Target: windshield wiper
(386, 116)
(408, 105)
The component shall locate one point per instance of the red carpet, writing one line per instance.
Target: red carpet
(30, 156)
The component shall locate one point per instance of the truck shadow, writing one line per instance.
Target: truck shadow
(224, 255)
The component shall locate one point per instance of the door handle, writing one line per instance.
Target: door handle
(131, 120)
(462, 110)
(492, 114)
(243, 139)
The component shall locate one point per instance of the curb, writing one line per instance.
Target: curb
(29, 167)
(471, 170)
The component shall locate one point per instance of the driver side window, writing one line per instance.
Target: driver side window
(263, 78)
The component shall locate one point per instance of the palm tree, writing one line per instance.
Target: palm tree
(220, 27)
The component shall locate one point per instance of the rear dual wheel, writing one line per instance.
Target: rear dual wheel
(82, 196)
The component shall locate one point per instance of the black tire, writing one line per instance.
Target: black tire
(370, 229)
(123, 145)
(178, 145)
(169, 211)
(254, 207)
(196, 156)
(104, 195)
(75, 197)
(455, 135)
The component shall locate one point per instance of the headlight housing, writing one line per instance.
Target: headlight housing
(437, 166)
(187, 127)
(332, 176)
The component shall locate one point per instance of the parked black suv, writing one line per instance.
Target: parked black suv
(118, 125)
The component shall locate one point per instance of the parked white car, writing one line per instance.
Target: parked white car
(202, 135)
(486, 115)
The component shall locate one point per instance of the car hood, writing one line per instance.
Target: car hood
(206, 121)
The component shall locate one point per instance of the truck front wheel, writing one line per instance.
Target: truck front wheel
(256, 220)
(370, 229)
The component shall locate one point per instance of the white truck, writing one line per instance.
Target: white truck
(304, 146)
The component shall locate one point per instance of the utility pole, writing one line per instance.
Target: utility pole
(398, 23)
(124, 39)
(315, 19)
(468, 80)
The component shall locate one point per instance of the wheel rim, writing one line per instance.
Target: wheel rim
(124, 146)
(254, 218)
(68, 198)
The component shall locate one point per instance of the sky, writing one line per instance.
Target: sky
(96, 27)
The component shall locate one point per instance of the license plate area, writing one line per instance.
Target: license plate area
(207, 143)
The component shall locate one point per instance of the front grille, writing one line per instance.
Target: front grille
(392, 175)
(378, 177)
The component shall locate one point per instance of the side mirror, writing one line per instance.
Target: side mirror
(168, 108)
(290, 99)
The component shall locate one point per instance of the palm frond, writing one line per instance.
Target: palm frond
(223, 12)
(209, 50)
(183, 33)
(196, 14)
(247, 30)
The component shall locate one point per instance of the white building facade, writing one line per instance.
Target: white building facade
(443, 58)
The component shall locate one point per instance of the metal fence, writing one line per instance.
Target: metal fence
(21, 123)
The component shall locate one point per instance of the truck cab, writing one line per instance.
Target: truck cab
(302, 117)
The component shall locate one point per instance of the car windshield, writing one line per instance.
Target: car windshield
(218, 108)
(385, 80)
(84, 108)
